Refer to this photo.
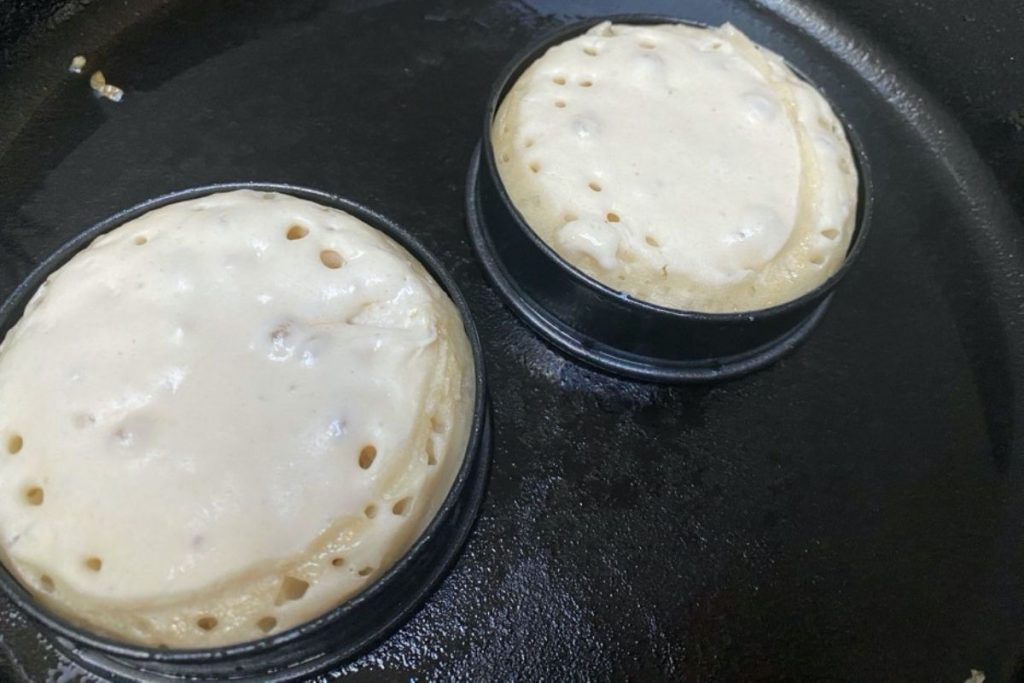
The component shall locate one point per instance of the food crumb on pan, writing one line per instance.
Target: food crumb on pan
(77, 64)
(99, 84)
(976, 677)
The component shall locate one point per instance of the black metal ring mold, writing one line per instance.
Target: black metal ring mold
(353, 626)
(607, 328)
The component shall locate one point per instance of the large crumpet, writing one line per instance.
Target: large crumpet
(224, 418)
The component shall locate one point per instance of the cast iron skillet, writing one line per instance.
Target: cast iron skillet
(852, 512)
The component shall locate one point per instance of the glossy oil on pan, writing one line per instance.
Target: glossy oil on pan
(852, 512)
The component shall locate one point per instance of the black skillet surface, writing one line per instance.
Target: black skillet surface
(853, 512)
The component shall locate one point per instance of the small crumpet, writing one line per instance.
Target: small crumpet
(686, 167)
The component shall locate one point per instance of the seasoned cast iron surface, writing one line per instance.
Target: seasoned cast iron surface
(853, 512)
